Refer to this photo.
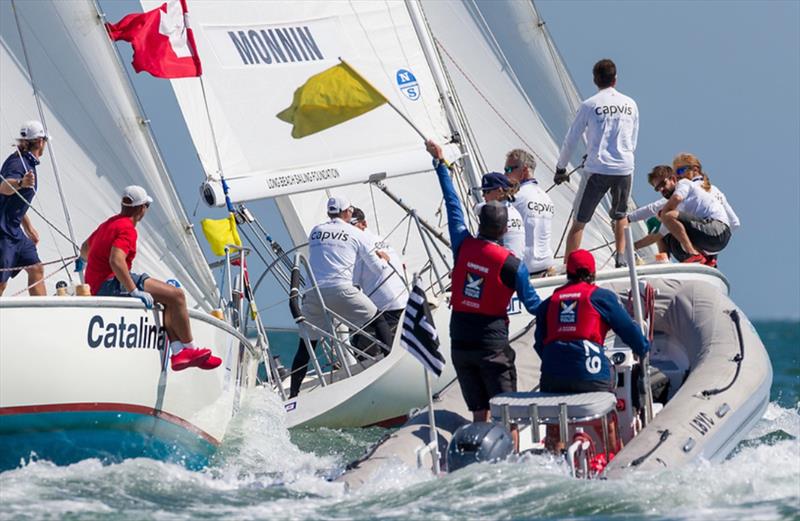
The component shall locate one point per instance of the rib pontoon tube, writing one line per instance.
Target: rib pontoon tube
(724, 389)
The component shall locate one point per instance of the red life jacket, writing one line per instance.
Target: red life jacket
(571, 316)
(477, 286)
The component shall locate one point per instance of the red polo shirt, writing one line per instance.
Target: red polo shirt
(117, 232)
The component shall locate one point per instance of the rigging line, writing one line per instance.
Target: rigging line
(45, 219)
(491, 106)
(405, 57)
(36, 96)
(211, 127)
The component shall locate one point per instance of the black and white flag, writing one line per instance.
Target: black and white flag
(419, 335)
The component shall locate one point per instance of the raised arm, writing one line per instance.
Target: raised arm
(456, 224)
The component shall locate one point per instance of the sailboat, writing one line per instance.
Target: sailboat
(88, 376)
(257, 55)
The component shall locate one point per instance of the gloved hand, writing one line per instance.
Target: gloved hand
(561, 176)
(79, 264)
(144, 296)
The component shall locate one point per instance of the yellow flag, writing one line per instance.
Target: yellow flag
(221, 232)
(331, 97)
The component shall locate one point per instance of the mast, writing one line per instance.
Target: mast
(423, 32)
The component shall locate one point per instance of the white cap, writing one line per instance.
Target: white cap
(338, 204)
(137, 195)
(31, 130)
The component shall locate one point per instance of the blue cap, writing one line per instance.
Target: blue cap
(493, 181)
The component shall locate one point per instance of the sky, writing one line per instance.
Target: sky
(720, 79)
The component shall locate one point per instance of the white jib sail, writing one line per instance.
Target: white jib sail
(99, 142)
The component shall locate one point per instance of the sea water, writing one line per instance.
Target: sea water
(263, 471)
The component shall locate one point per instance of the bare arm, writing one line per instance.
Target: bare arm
(644, 242)
(30, 231)
(116, 260)
(8, 186)
(672, 203)
(85, 249)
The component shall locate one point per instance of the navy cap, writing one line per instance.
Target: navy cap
(493, 181)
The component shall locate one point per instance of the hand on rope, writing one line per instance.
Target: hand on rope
(562, 174)
(79, 264)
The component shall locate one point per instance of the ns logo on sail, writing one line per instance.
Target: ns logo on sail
(408, 85)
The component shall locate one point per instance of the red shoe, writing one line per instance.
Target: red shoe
(212, 362)
(712, 262)
(188, 357)
(699, 259)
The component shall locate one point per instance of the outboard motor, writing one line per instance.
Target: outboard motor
(477, 442)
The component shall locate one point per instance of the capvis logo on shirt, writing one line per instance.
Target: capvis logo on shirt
(323, 236)
(538, 207)
(610, 110)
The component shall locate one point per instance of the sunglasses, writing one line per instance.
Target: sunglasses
(681, 170)
(510, 169)
(660, 186)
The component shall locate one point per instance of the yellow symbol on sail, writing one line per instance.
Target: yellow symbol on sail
(221, 232)
(331, 97)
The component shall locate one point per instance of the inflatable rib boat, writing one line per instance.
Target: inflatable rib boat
(714, 372)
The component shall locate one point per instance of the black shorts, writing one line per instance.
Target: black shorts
(593, 189)
(707, 235)
(484, 373)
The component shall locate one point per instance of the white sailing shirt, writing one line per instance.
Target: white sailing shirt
(696, 202)
(334, 247)
(733, 219)
(537, 210)
(385, 287)
(611, 122)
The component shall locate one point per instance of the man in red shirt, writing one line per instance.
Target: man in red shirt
(109, 252)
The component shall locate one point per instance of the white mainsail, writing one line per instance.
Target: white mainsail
(100, 143)
(255, 54)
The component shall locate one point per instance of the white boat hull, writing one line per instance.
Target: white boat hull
(82, 377)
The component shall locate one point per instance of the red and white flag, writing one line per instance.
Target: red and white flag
(163, 43)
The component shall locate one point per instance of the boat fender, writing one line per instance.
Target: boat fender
(294, 296)
(478, 442)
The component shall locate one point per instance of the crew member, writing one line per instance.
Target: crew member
(18, 185)
(109, 252)
(695, 226)
(386, 288)
(536, 209)
(611, 122)
(688, 166)
(571, 327)
(485, 277)
(335, 247)
(497, 187)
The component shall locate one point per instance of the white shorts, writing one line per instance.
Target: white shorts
(348, 302)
